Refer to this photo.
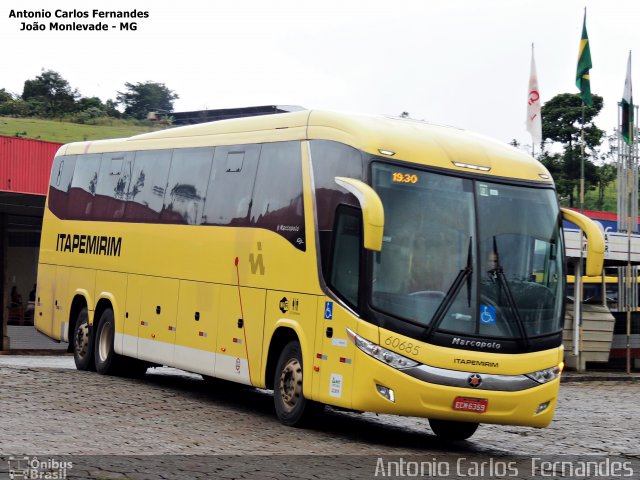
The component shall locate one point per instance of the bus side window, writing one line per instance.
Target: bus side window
(277, 196)
(231, 185)
(147, 186)
(83, 186)
(60, 183)
(187, 186)
(347, 248)
(113, 186)
(329, 160)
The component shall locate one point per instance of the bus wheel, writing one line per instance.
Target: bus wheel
(291, 406)
(105, 358)
(450, 430)
(83, 342)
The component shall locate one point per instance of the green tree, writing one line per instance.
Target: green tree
(142, 98)
(10, 105)
(111, 108)
(564, 121)
(86, 103)
(5, 96)
(607, 173)
(50, 95)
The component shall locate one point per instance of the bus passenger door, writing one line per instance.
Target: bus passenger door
(239, 339)
(158, 318)
(195, 348)
(334, 354)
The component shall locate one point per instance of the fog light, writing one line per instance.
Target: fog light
(386, 393)
(542, 407)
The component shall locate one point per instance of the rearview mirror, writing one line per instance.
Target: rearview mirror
(595, 241)
(372, 211)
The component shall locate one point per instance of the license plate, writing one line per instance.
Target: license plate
(465, 404)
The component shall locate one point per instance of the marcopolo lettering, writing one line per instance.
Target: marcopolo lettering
(89, 244)
(476, 344)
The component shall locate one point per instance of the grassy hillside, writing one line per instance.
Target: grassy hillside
(610, 200)
(64, 132)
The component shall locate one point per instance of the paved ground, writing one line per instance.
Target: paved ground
(26, 337)
(48, 409)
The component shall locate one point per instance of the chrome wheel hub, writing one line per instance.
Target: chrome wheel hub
(291, 384)
(82, 340)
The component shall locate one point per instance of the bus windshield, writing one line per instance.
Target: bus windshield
(468, 256)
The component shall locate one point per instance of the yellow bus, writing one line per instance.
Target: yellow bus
(370, 263)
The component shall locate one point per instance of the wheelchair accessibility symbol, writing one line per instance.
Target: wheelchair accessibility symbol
(487, 315)
(328, 310)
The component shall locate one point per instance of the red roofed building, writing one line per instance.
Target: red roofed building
(25, 165)
(24, 178)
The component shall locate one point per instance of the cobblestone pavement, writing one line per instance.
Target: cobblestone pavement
(58, 411)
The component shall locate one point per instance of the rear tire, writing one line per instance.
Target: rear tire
(106, 359)
(292, 408)
(450, 430)
(83, 342)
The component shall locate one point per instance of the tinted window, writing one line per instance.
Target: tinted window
(231, 186)
(60, 183)
(147, 185)
(114, 178)
(330, 160)
(187, 185)
(83, 186)
(345, 269)
(277, 197)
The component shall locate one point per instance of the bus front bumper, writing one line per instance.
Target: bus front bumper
(382, 389)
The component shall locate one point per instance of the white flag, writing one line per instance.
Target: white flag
(534, 117)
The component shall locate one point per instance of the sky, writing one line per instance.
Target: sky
(460, 62)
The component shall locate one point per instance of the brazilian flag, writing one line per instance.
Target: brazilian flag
(584, 65)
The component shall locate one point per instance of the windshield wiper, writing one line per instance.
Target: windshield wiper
(452, 293)
(499, 275)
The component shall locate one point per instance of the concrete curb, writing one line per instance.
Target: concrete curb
(35, 352)
(575, 377)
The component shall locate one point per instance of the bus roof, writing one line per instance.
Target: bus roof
(403, 139)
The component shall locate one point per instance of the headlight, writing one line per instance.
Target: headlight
(546, 375)
(376, 351)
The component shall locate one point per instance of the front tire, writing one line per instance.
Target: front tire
(450, 430)
(83, 342)
(292, 408)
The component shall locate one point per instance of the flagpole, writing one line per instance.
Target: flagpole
(583, 83)
(628, 199)
(629, 226)
(533, 140)
(582, 145)
(582, 160)
(577, 337)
